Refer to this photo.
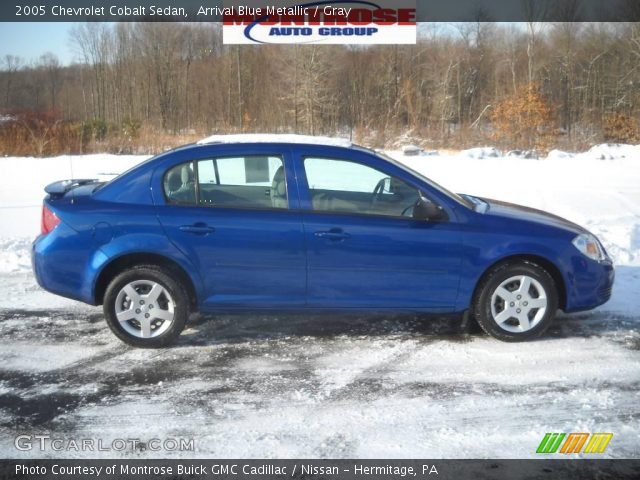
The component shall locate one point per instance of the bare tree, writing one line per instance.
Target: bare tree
(93, 43)
(10, 65)
(535, 12)
(51, 67)
(161, 52)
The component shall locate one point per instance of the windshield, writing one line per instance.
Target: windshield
(454, 196)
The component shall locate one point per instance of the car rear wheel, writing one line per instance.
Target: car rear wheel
(516, 301)
(145, 307)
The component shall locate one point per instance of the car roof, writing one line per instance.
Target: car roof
(276, 138)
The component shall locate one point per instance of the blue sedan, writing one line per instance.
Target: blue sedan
(273, 223)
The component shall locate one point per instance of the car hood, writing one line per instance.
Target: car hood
(513, 211)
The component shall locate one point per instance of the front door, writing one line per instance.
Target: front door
(364, 248)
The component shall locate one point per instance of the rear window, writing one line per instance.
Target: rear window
(179, 184)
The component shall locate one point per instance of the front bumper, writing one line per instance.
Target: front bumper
(590, 284)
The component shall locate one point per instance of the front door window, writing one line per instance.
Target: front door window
(350, 187)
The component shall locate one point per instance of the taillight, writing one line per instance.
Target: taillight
(49, 220)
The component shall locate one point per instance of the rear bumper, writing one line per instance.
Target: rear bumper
(60, 265)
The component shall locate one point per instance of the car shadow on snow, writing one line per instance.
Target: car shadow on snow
(242, 327)
(238, 328)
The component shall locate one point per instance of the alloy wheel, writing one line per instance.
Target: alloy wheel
(519, 303)
(144, 308)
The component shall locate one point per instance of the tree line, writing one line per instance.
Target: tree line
(460, 84)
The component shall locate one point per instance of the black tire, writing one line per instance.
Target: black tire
(150, 274)
(482, 301)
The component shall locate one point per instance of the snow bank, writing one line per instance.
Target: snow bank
(559, 154)
(612, 151)
(481, 152)
(605, 151)
(523, 154)
(14, 255)
(411, 150)
(414, 150)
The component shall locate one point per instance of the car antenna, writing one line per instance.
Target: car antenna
(71, 173)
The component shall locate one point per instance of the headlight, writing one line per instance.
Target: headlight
(589, 246)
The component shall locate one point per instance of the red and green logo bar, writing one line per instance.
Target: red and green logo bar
(573, 442)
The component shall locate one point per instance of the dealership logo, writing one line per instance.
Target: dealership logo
(359, 22)
(45, 442)
(574, 442)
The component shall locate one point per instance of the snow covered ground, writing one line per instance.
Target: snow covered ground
(306, 386)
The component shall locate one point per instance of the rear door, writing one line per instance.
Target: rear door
(234, 217)
(364, 248)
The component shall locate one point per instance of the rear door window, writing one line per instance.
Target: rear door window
(255, 181)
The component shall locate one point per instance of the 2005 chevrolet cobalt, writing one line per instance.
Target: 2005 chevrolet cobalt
(258, 223)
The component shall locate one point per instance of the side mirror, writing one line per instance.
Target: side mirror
(425, 209)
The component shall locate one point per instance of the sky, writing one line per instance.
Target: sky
(30, 40)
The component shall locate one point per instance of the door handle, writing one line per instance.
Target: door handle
(335, 235)
(197, 229)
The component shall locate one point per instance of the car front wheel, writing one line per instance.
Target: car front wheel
(145, 307)
(516, 301)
